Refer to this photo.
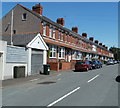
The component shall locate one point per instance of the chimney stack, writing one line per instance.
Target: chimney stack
(75, 29)
(37, 8)
(104, 46)
(91, 38)
(60, 21)
(100, 44)
(96, 41)
(84, 35)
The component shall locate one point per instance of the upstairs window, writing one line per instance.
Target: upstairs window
(59, 35)
(24, 16)
(54, 32)
(51, 31)
(44, 29)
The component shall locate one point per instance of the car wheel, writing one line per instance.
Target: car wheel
(91, 68)
(87, 69)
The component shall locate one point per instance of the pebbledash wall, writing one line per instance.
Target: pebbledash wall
(65, 46)
(11, 56)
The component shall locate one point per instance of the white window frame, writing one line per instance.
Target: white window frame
(51, 31)
(59, 35)
(53, 50)
(74, 55)
(62, 50)
(54, 33)
(44, 28)
(62, 36)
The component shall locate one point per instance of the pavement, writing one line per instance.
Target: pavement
(95, 88)
(16, 81)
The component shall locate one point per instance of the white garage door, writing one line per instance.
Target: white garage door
(36, 62)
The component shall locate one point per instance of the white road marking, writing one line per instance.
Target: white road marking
(93, 78)
(34, 79)
(59, 79)
(58, 74)
(63, 97)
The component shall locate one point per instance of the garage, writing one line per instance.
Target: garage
(36, 61)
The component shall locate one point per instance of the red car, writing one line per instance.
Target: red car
(83, 65)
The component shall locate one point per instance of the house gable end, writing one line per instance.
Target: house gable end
(38, 43)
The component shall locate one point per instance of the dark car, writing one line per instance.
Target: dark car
(94, 64)
(83, 65)
(99, 64)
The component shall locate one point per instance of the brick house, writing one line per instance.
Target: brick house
(65, 46)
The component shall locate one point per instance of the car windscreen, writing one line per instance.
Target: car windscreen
(80, 62)
(94, 61)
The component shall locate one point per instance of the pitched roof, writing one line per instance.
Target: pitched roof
(62, 27)
(59, 26)
(19, 39)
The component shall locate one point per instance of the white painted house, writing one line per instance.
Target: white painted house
(28, 50)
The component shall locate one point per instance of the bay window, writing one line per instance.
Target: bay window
(61, 53)
(52, 51)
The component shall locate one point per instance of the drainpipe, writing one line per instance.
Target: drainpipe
(12, 28)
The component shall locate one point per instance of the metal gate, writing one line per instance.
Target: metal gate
(36, 62)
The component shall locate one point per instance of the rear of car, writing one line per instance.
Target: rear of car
(110, 62)
(99, 64)
(94, 64)
(82, 65)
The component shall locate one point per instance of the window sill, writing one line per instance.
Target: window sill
(52, 57)
(61, 58)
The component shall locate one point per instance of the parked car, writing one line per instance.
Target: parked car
(94, 64)
(83, 65)
(118, 61)
(110, 62)
(100, 64)
(115, 61)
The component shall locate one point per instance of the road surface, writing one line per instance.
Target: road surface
(93, 88)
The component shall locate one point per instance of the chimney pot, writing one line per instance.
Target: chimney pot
(60, 21)
(104, 46)
(96, 41)
(75, 29)
(91, 38)
(84, 35)
(37, 8)
(100, 44)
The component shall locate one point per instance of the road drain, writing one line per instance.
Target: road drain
(47, 82)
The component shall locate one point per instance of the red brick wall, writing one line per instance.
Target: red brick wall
(66, 66)
(47, 30)
(54, 66)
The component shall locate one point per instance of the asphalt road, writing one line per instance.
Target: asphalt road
(93, 88)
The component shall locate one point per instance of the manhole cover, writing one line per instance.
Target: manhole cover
(47, 82)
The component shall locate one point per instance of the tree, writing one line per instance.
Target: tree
(116, 52)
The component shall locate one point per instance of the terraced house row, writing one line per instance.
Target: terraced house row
(65, 46)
